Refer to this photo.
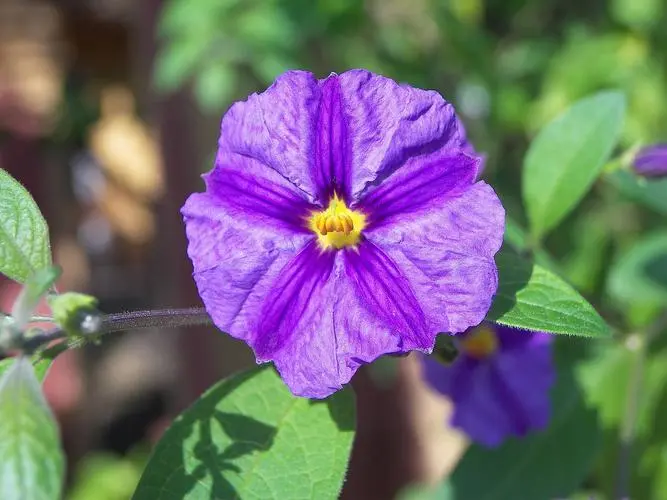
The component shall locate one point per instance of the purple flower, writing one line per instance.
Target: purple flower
(341, 222)
(652, 161)
(499, 383)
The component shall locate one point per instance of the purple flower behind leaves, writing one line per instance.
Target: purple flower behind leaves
(499, 383)
(651, 161)
(342, 222)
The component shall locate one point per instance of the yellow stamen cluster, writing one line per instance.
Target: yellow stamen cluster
(481, 343)
(333, 223)
(337, 226)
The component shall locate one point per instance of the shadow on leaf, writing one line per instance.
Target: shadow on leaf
(200, 451)
(247, 435)
(514, 273)
(342, 414)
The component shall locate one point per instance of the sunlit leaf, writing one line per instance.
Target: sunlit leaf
(534, 298)
(32, 462)
(566, 157)
(40, 365)
(249, 438)
(24, 236)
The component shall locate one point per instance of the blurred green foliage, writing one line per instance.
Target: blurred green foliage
(510, 66)
(104, 476)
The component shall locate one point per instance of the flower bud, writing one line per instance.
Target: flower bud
(76, 313)
(651, 161)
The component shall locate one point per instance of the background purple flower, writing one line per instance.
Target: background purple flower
(499, 384)
(652, 161)
(341, 222)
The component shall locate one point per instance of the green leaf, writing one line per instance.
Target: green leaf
(41, 366)
(32, 462)
(651, 193)
(248, 437)
(541, 466)
(533, 298)
(24, 236)
(640, 275)
(567, 156)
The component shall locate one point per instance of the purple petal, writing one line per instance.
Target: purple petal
(469, 149)
(506, 394)
(292, 300)
(652, 161)
(328, 313)
(479, 410)
(515, 338)
(235, 261)
(259, 195)
(332, 155)
(446, 251)
(275, 131)
(297, 129)
(388, 124)
(385, 292)
(344, 133)
(262, 168)
(421, 185)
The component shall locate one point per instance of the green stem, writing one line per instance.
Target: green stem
(629, 424)
(639, 344)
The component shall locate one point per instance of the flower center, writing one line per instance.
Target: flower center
(337, 226)
(480, 343)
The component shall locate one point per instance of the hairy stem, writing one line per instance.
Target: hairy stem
(156, 318)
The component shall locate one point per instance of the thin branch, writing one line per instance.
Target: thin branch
(158, 318)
